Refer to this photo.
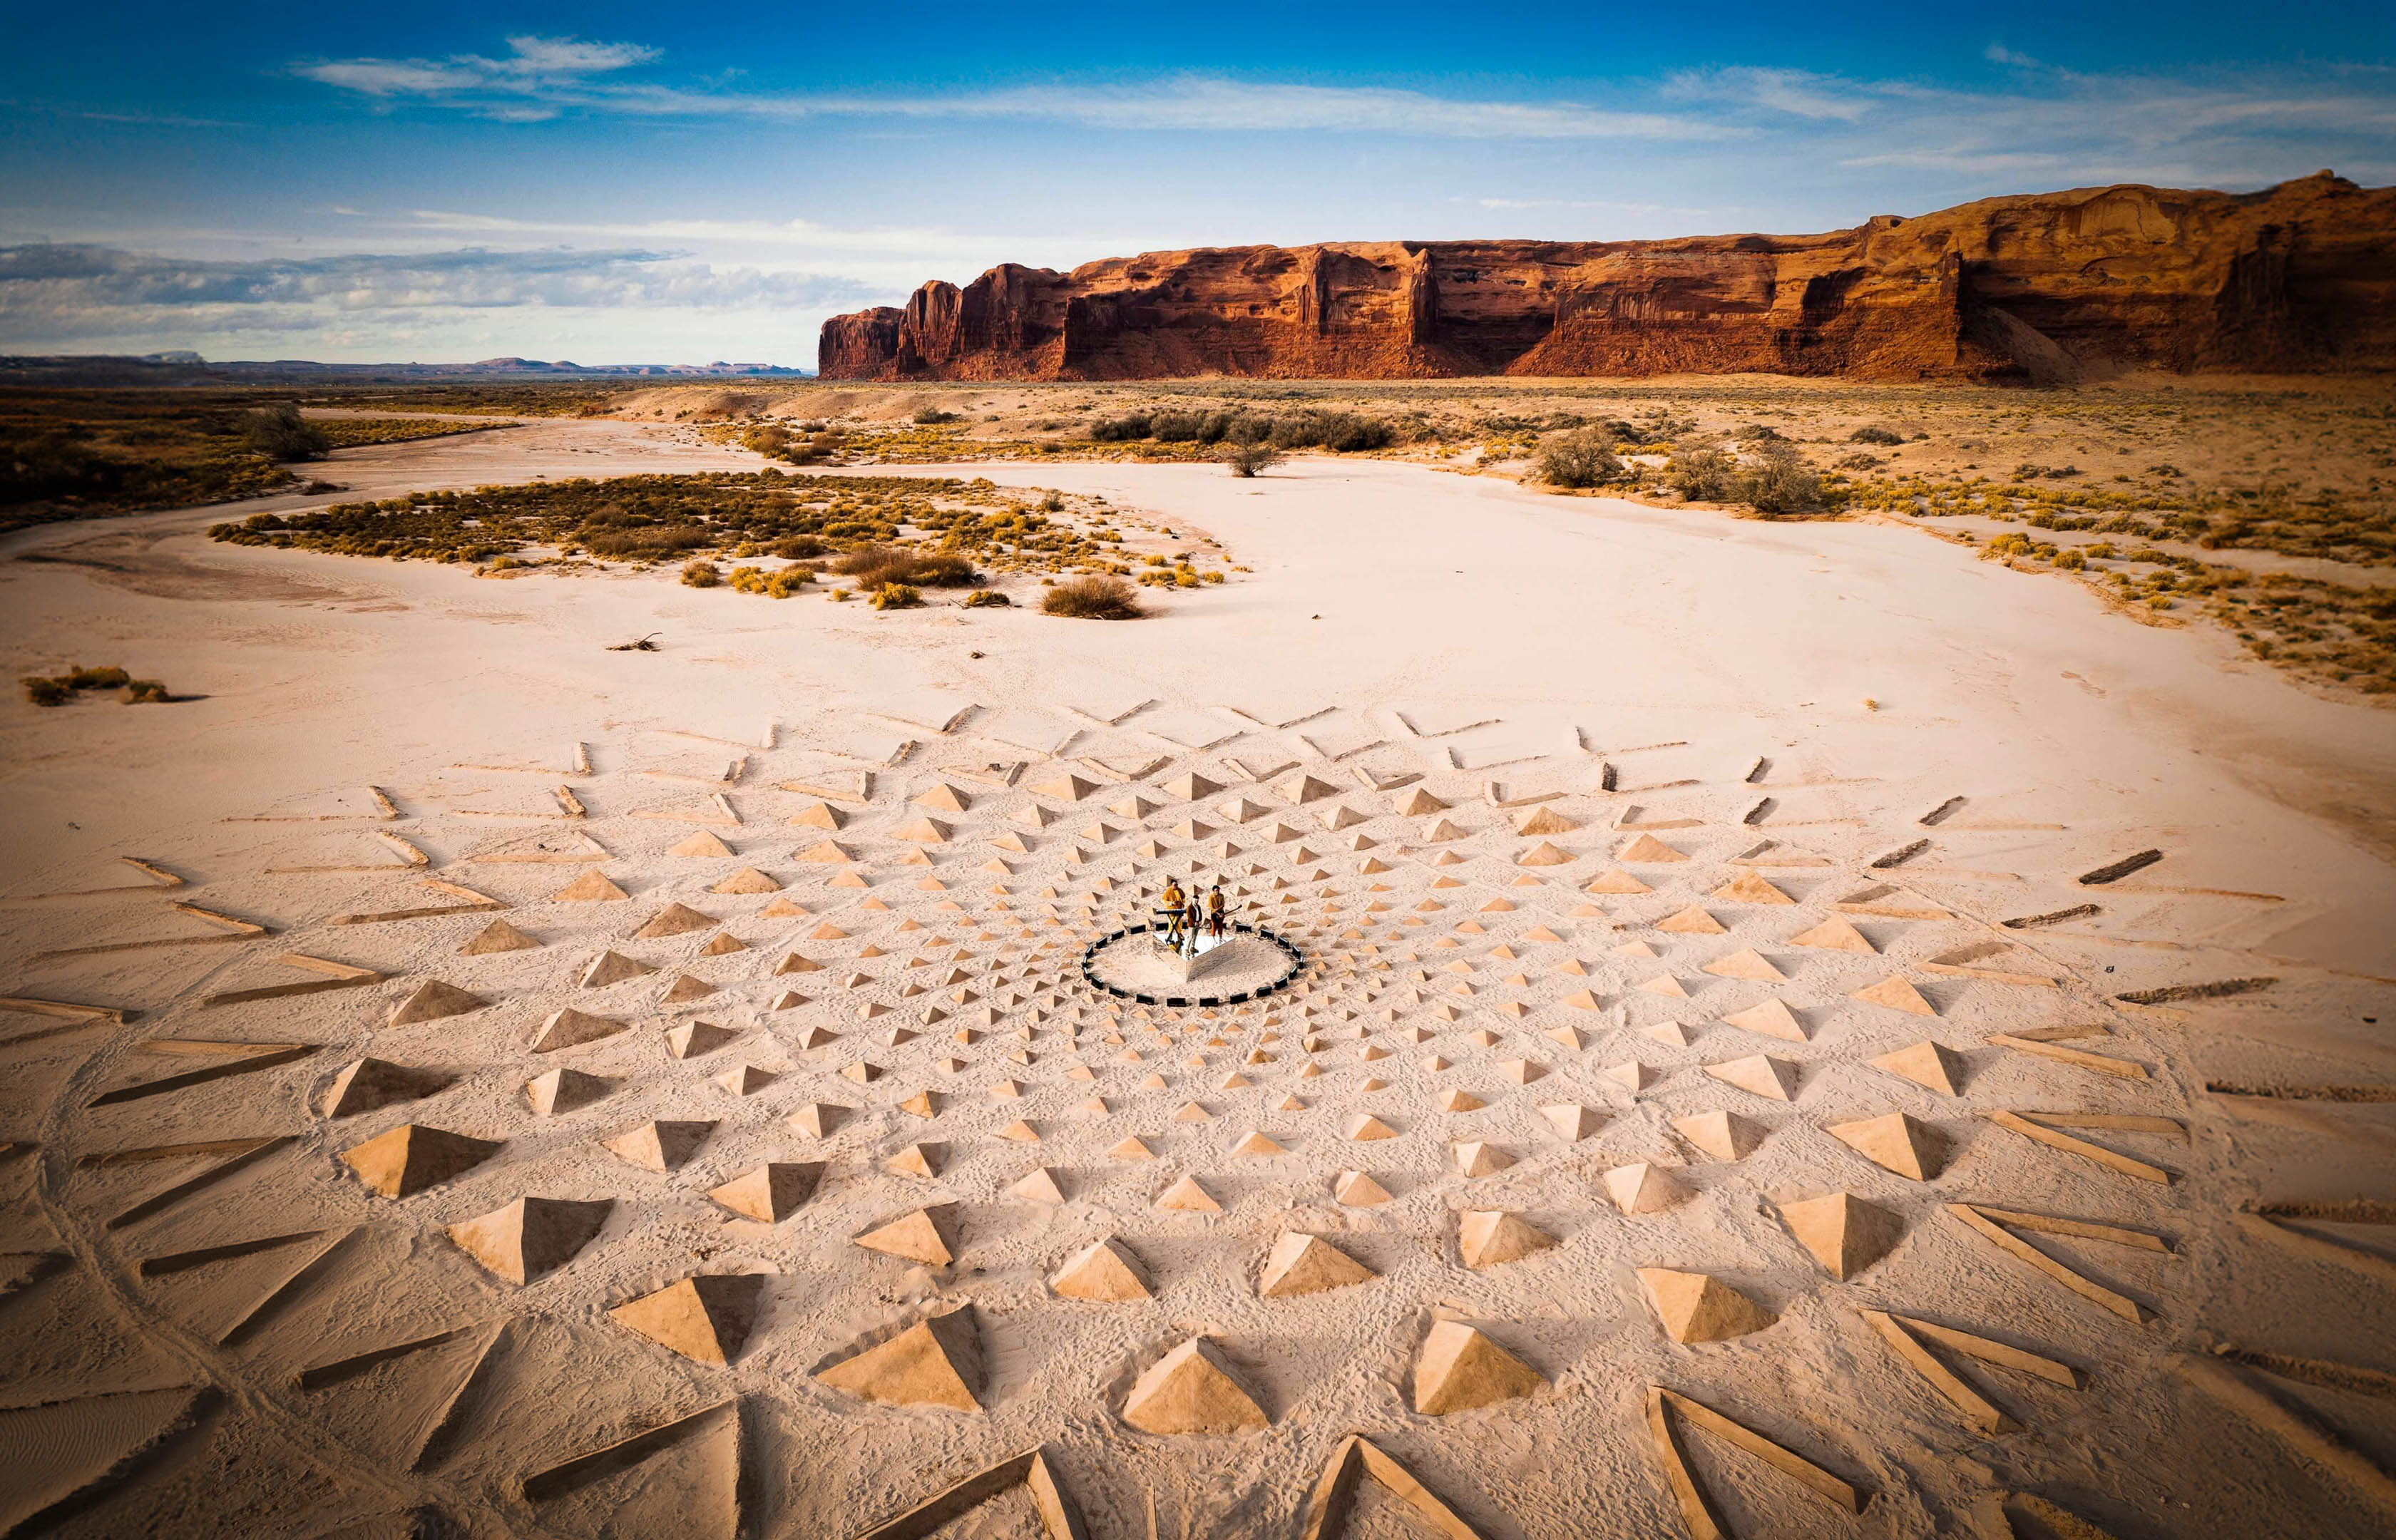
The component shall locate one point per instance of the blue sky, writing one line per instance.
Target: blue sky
(619, 183)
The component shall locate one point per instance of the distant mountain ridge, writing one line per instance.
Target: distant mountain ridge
(68, 371)
(2045, 287)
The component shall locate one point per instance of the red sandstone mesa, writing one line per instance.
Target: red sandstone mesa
(2048, 287)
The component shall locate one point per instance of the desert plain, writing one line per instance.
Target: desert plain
(1950, 1004)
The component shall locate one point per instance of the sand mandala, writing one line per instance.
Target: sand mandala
(1662, 1139)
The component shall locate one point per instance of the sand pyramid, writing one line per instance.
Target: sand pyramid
(1834, 935)
(723, 945)
(1363, 1126)
(564, 1090)
(695, 1039)
(571, 1029)
(1255, 1142)
(706, 1317)
(1648, 849)
(936, 1362)
(372, 1083)
(1750, 887)
(673, 920)
(1037, 1186)
(1188, 1390)
(1543, 854)
(1105, 1271)
(925, 1235)
(1191, 786)
(592, 887)
(1487, 1237)
(1897, 994)
(1133, 1149)
(1543, 819)
(1420, 803)
(944, 798)
(1630, 1074)
(701, 845)
(1758, 1073)
(1644, 1188)
(824, 852)
(1307, 789)
(771, 1192)
(1897, 1143)
(613, 967)
(1020, 1132)
(1572, 1121)
(1617, 882)
(1457, 1100)
(815, 815)
(659, 1145)
(923, 1160)
(1185, 1195)
(1356, 1189)
(432, 1001)
(413, 1157)
(497, 936)
(747, 880)
(1459, 1369)
(1771, 1018)
(1071, 789)
(816, 1119)
(744, 1080)
(1665, 985)
(1301, 1264)
(1925, 1064)
(1746, 963)
(531, 1237)
(1479, 1158)
(1724, 1135)
(685, 989)
(1693, 920)
(1694, 1307)
(1844, 1233)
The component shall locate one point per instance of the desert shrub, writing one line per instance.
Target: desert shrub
(874, 565)
(989, 599)
(1122, 430)
(779, 584)
(57, 690)
(1858, 462)
(1875, 436)
(1584, 457)
(1780, 480)
(45, 692)
(649, 543)
(797, 548)
(702, 575)
(280, 433)
(1176, 427)
(1343, 431)
(931, 415)
(144, 692)
(771, 439)
(80, 678)
(1246, 460)
(897, 596)
(1701, 472)
(1756, 433)
(1092, 599)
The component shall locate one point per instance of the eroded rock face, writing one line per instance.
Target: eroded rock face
(2043, 287)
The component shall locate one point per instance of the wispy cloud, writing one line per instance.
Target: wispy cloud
(546, 77)
(62, 293)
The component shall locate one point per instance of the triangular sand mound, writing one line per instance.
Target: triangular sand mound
(1724, 1135)
(695, 1039)
(747, 880)
(589, 888)
(412, 1157)
(564, 1090)
(372, 1083)
(1844, 1233)
(531, 1237)
(1644, 1188)
(1773, 1018)
(571, 1029)
(1746, 963)
(433, 1001)
(498, 937)
(673, 920)
(1459, 1369)
(1617, 882)
(1188, 1390)
(1185, 1195)
(1760, 1074)
(613, 967)
(1304, 1264)
(1925, 1064)
(1357, 1190)
(1897, 993)
(1694, 1307)
(701, 845)
(1648, 849)
(771, 1192)
(1897, 1143)
(935, 1363)
(1693, 920)
(659, 1145)
(1106, 1271)
(1834, 935)
(707, 1317)
(927, 1235)
(1488, 1236)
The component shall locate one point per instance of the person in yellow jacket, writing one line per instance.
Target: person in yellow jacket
(1214, 911)
(1174, 901)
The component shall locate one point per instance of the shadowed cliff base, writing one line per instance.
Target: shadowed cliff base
(2046, 289)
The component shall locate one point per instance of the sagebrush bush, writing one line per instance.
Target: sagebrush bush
(1584, 457)
(1095, 598)
(989, 599)
(280, 433)
(1875, 436)
(1701, 472)
(1132, 425)
(702, 575)
(931, 415)
(1246, 460)
(897, 596)
(1780, 480)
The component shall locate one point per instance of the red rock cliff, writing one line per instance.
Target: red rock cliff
(2301, 277)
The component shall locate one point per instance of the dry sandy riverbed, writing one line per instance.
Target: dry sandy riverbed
(1794, 698)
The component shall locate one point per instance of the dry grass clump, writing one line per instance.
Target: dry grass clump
(702, 575)
(892, 596)
(1246, 460)
(873, 566)
(57, 689)
(989, 599)
(779, 584)
(1094, 598)
(1580, 458)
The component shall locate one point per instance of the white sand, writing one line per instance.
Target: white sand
(1478, 632)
